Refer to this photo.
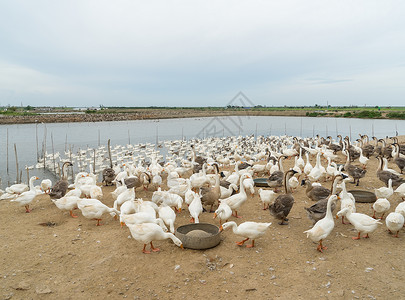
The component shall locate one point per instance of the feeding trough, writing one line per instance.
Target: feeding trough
(261, 182)
(198, 235)
(363, 196)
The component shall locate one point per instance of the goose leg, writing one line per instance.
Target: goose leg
(382, 216)
(321, 247)
(72, 215)
(27, 209)
(396, 234)
(366, 236)
(236, 214)
(98, 222)
(284, 222)
(192, 220)
(356, 237)
(252, 245)
(153, 248)
(144, 249)
(374, 215)
(241, 242)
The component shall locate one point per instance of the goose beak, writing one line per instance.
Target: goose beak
(215, 215)
(221, 228)
(122, 224)
(181, 246)
(337, 217)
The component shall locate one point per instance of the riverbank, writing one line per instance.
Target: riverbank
(108, 115)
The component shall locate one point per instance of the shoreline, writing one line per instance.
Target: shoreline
(148, 114)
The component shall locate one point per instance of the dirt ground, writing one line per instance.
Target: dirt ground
(75, 259)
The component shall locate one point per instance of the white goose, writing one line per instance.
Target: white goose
(385, 192)
(236, 201)
(25, 198)
(347, 200)
(223, 212)
(362, 223)
(267, 197)
(227, 192)
(323, 227)
(394, 222)
(381, 206)
(308, 167)
(149, 232)
(167, 214)
(318, 171)
(94, 209)
(198, 180)
(67, 203)
(249, 230)
(195, 208)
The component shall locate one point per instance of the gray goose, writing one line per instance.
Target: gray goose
(210, 195)
(276, 179)
(399, 161)
(282, 205)
(354, 171)
(384, 176)
(109, 173)
(315, 193)
(60, 187)
(318, 210)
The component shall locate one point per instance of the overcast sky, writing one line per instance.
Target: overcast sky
(201, 53)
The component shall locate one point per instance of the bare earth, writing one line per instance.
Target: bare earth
(75, 259)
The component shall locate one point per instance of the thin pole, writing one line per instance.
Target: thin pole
(99, 137)
(7, 150)
(66, 142)
(157, 136)
(285, 128)
(28, 173)
(44, 146)
(53, 154)
(36, 138)
(372, 129)
(256, 132)
(16, 162)
(350, 132)
(326, 129)
(94, 162)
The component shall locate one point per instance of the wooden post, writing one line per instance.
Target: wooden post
(44, 146)
(36, 138)
(28, 173)
(7, 150)
(53, 155)
(16, 162)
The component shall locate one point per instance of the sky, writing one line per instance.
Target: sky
(201, 53)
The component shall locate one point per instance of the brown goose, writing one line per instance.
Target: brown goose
(399, 161)
(60, 187)
(210, 195)
(384, 176)
(354, 171)
(315, 193)
(109, 173)
(318, 210)
(281, 207)
(367, 148)
(276, 179)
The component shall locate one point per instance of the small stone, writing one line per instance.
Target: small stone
(271, 269)
(328, 285)
(43, 290)
(202, 281)
(22, 286)
(8, 296)
(368, 270)
(273, 277)
(176, 267)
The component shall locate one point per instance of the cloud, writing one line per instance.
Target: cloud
(175, 52)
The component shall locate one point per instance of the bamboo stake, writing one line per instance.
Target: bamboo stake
(16, 162)
(7, 150)
(44, 146)
(53, 155)
(36, 138)
(28, 173)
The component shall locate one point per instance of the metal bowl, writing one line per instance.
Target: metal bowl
(198, 235)
(260, 182)
(363, 196)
